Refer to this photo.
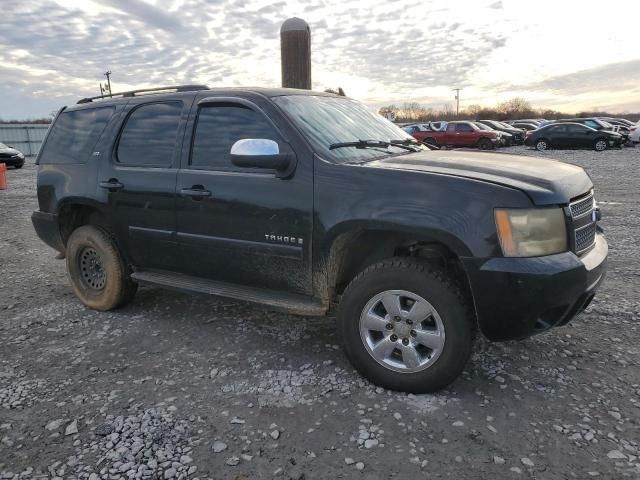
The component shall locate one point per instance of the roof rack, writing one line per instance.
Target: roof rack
(133, 93)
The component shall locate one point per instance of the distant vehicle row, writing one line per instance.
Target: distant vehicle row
(594, 132)
(481, 134)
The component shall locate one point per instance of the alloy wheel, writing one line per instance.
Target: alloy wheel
(402, 331)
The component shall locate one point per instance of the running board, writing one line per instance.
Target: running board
(286, 302)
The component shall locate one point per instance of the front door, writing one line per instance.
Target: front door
(138, 181)
(240, 225)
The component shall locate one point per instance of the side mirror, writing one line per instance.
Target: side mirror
(261, 153)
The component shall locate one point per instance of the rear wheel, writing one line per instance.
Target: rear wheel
(18, 165)
(542, 145)
(97, 271)
(600, 145)
(405, 326)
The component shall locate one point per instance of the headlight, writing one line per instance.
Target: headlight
(531, 233)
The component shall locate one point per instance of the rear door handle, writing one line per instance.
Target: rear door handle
(195, 192)
(111, 184)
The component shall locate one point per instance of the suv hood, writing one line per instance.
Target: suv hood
(546, 182)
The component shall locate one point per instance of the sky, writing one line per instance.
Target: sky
(562, 54)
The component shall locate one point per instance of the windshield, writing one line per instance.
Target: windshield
(327, 121)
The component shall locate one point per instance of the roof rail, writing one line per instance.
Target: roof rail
(133, 93)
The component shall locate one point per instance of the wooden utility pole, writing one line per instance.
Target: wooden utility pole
(295, 47)
(108, 75)
(457, 97)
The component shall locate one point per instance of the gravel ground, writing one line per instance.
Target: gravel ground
(180, 386)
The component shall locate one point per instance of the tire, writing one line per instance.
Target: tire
(98, 273)
(541, 145)
(450, 320)
(484, 144)
(600, 145)
(431, 141)
(18, 165)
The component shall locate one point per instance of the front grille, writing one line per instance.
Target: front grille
(584, 226)
(585, 236)
(582, 206)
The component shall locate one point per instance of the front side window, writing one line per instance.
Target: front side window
(149, 135)
(74, 134)
(218, 127)
(327, 121)
(592, 124)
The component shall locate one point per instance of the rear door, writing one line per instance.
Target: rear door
(138, 180)
(465, 134)
(240, 225)
(558, 136)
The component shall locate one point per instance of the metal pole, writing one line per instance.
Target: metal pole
(26, 131)
(295, 49)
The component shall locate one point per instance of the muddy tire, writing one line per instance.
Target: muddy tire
(406, 326)
(98, 273)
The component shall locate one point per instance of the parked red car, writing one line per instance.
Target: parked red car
(463, 134)
(419, 131)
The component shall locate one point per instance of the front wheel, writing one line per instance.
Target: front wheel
(485, 144)
(600, 145)
(406, 326)
(97, 271)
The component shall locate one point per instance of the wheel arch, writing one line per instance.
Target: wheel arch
(343, 256)
(75, 212)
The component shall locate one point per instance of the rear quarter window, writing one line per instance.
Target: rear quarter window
(74, 134)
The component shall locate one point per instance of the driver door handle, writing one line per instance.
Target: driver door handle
(195, 192)
(111, 184)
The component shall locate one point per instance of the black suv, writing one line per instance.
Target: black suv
(301, 200)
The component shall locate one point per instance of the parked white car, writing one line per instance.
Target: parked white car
(634, 133)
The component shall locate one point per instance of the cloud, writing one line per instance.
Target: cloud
(148, 14)
(618, 76)
(385, 50)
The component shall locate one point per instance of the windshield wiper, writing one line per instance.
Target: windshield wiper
(372, 144)
(407, 142)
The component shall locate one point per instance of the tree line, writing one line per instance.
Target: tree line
(513, 109)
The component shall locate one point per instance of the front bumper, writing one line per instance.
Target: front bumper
(12, 161)
(47, 228)
(518, 297)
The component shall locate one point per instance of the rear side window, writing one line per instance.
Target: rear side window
(149, 135)
(218, 128)
(463, 127)
(74, 134)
